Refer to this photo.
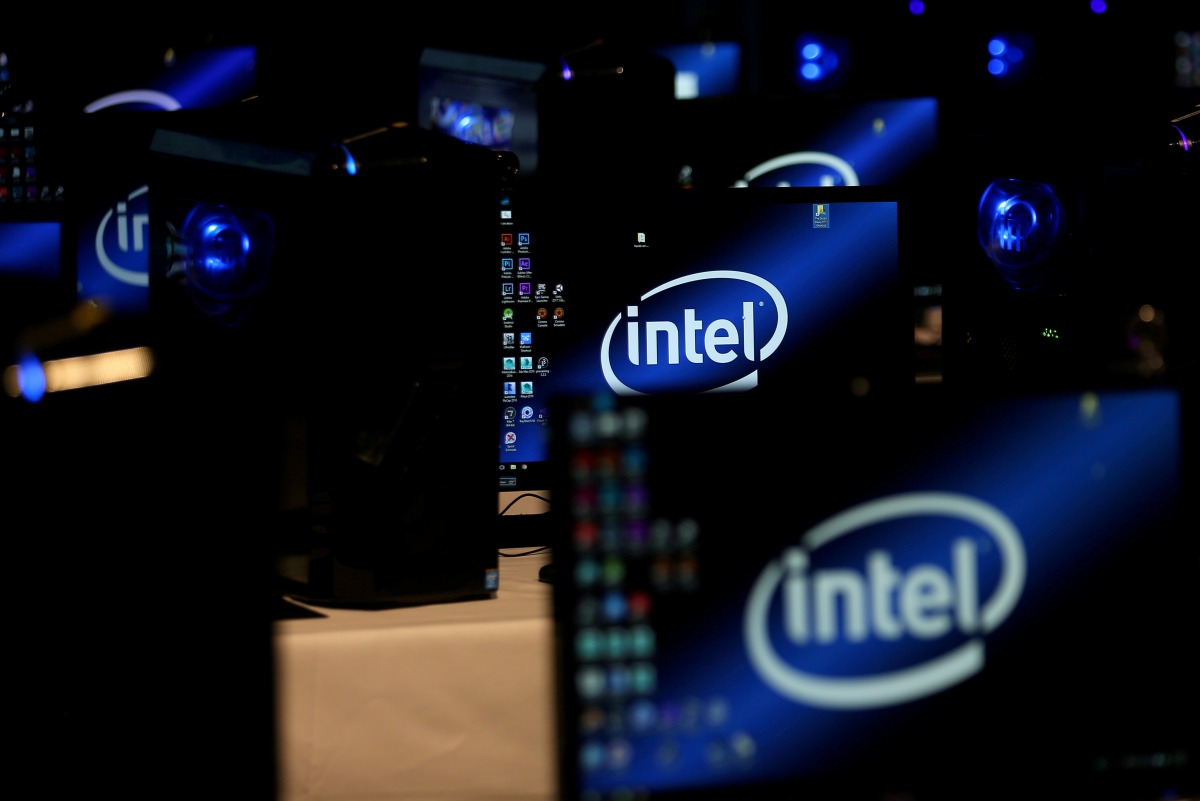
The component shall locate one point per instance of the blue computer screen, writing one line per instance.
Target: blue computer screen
(941, 597)
(736, 290)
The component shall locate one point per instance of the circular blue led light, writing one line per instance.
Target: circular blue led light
(1007, 52)
(223, 245)
(229, 252)
(818, 58)
(1019, 226)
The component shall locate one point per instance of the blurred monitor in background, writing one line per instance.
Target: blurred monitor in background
(766, 141)
(482, 99)
(704, 69)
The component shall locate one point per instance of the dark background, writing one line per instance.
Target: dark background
(142, 648)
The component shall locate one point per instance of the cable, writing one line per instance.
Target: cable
(524, 495)
(524, 553)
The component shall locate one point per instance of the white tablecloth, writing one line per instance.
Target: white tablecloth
(443, 702)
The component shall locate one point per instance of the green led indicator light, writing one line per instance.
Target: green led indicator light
(1050, 333)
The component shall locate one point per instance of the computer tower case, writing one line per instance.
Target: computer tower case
(325, 350)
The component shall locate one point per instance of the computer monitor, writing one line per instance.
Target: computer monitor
(483, 99)
(956, 595)
(806, 140)
(31, 249)
(311, 326)
(35, 230)
(705, 68)
(694, 292)
(35, 284)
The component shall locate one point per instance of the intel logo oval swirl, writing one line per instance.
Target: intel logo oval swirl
(705, 332)
(885, 604)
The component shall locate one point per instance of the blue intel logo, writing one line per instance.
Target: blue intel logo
(907, 622)
(705, 332)
(120, 240)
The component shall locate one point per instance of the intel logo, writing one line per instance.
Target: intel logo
(931, 608)
(136, 98)
(705, 332)
(806, 168)
(121, 239)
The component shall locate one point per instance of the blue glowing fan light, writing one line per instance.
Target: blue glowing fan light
(819, 60)
(223, 246)
(228, 253)
(1020, 224)
(1007, 55)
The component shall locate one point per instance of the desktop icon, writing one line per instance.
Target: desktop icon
(506, 264)
(508, 314)
(526, 412)
(526, 338)
(527, 362)
(509, 363)
(510, 437)
(509, 339)
(510, 387)
(526, 387)
(524, 263)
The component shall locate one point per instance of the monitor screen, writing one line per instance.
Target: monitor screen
(704, 69)
(34, 284)
(809, 140)
(35, 279)
(482, 99)
(31, 249)
(693, 292)
(946, 597)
